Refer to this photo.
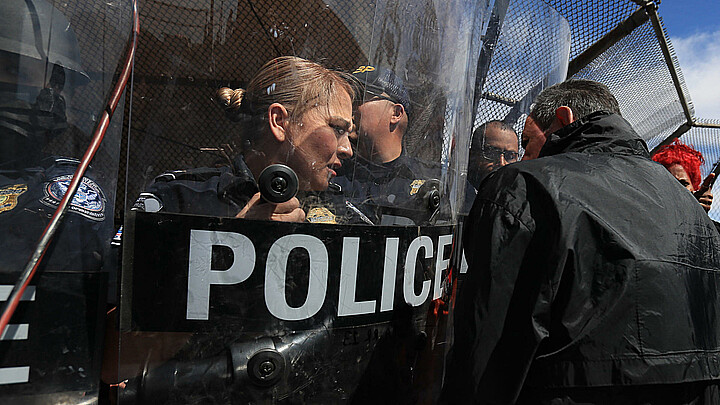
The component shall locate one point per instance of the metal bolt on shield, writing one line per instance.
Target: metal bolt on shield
(279, 184)
(266, 368)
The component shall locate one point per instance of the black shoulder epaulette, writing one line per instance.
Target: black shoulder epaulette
(59, 161)
(334, 188)
(62, 160)
(197, 174)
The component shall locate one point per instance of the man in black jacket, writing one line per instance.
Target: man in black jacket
(593, 274)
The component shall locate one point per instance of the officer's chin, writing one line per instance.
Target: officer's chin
(320, 182)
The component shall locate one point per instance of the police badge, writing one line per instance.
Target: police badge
(9, 196)
(321, 215)
(415, 186)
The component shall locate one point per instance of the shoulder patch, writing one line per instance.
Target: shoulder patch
(9, 196)
(89, 200)
(148, 202)
(117, 239)
(415, 186)
(321, 215)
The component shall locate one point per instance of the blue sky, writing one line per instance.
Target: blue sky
(687, 17)
(694, 28)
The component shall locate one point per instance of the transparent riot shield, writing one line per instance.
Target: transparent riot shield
(59, 59)
(525, 48)
(272, 252)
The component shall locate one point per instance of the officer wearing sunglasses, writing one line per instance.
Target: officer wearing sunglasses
(494, 145)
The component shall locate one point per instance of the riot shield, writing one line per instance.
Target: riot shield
(525, 48)
(58, 65)
(348, 303)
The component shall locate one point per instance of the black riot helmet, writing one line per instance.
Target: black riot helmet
(35, 29)
(39, 57)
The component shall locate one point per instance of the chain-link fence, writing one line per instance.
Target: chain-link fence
(189, 48)
(706, 140)
(636, 73)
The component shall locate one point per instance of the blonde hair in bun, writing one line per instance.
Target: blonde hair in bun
(296, 83)
(231, 101)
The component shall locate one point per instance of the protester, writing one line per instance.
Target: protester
(294, 112)
(494, 144)
(592, 277)
(683, 162)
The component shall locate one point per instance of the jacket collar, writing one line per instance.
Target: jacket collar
(363, 169)
(241, 169)
(238, 183)
(599, 132)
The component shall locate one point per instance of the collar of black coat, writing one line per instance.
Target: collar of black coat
(237, 184)
(361, 169)
(599, 132)
(241, 169)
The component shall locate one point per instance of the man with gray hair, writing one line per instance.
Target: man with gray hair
(593, 274)
(560, 105)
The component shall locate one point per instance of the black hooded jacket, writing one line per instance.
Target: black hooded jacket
(593, 278)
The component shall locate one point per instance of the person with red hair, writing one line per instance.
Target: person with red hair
(683, 162)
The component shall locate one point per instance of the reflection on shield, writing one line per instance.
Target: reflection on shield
(306, 332)
(58, 61)
(188, 49)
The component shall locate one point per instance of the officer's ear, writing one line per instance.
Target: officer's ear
(278, 118)
(397, 113)
(564, 115)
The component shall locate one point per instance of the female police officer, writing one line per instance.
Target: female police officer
(293, 112)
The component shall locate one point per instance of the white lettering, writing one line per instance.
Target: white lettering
(200, 273)
(388, 284)
(28, 294)
(17, 331)
(463, 263)
(275, 275)
(410, 260)
(14, 375)
(348, 281)
(441, 263)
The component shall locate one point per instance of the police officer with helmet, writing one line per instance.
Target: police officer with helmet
(38, 66)
(50, 349)
(382, 181)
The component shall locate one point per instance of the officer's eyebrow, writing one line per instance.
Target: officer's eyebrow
(340, 122)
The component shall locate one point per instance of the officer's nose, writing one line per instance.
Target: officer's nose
(344, 149)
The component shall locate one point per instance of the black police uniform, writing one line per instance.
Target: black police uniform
(216, 191)
(224, 191)
(388, 193)
(29, 197)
